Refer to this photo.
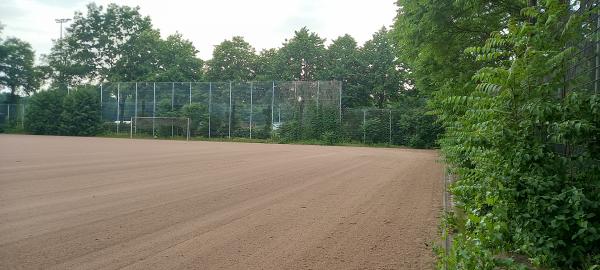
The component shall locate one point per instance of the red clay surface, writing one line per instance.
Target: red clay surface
(99, 203)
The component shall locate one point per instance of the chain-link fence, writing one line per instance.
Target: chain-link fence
(583, 73)
(12, 115)
(221, 109)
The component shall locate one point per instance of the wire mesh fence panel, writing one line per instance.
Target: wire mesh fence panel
(220, 109)
(198, 111)
(583, 73)
(377, 126)
(12, 115)
(181, 96)
(108, 100)
(262, 96)
(126, 106)
(402, 130)
(159, 127)
(240, 109)
(145, 99)
(352, 125)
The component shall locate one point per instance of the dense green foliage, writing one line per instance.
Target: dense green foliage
(55, 113)
(526, 155)
(43, 113)
(17, 72)
(81, 114)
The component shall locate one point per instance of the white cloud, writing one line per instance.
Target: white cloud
(263, 23)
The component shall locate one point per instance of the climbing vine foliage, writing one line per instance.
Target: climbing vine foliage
(525, 150)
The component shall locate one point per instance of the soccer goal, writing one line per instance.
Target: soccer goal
(160, 127)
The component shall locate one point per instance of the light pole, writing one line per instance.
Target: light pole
(61, 21)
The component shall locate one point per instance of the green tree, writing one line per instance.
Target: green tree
(233, 60)
(265, 65)
(95, 42)
(380, 69)
(342, 64)
(43, 113)
(17, 72)
(302, 57)
(81, 114)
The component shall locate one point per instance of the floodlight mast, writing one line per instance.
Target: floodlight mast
(61, 21)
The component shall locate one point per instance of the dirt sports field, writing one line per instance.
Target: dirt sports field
(99, 203)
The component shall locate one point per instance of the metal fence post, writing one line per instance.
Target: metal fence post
(272, 103)
(209, 106)
(251, 110)
(8, 112)
(153, 109)
(318, 90)
(23, 115)
(101, 102)
(136, 107)
(390, 111)
(364, 127)
(118, 105)
(229, 126)
(172, 107)
(340, 107)
(190, 93)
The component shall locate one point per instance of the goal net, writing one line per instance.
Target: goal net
(160, 127)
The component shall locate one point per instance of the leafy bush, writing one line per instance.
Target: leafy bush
(198, 115)
(81, 114)
(527, 159)
(43, 111)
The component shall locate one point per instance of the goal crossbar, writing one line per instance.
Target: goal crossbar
(133, 125)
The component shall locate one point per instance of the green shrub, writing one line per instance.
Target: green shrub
(43, 113)
(81, 114)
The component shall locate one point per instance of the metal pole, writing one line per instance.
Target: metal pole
(272, 102)
(8, 112)
(209, 106)
(136, 105)
(251, 110)
(101, 100)
(597, 75)
(318, 92)
(340, 102)
(153, 109)
(390, 111)
(131, 128)
(118, 106)
(23, 115)
(364, 127)
(190, 93)
(229, 126)
(188, 127)
(172, 106)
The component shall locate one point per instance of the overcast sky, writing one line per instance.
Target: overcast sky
(263, 23)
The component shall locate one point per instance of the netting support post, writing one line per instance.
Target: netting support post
(8, 112)
(597, 74)
(153, 109)
(172, 105)
(131, 128)
(136, 105)
(188, 128)
(340, 106)
(100, 102)
(209, 106)
(390, 112)
(318, 92)
(23, 115)
(229, 126)
(118, 106)
(190, 93)
(251, 110)
(272, 105)
(364, 126)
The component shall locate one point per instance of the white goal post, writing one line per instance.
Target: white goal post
(160, 127)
